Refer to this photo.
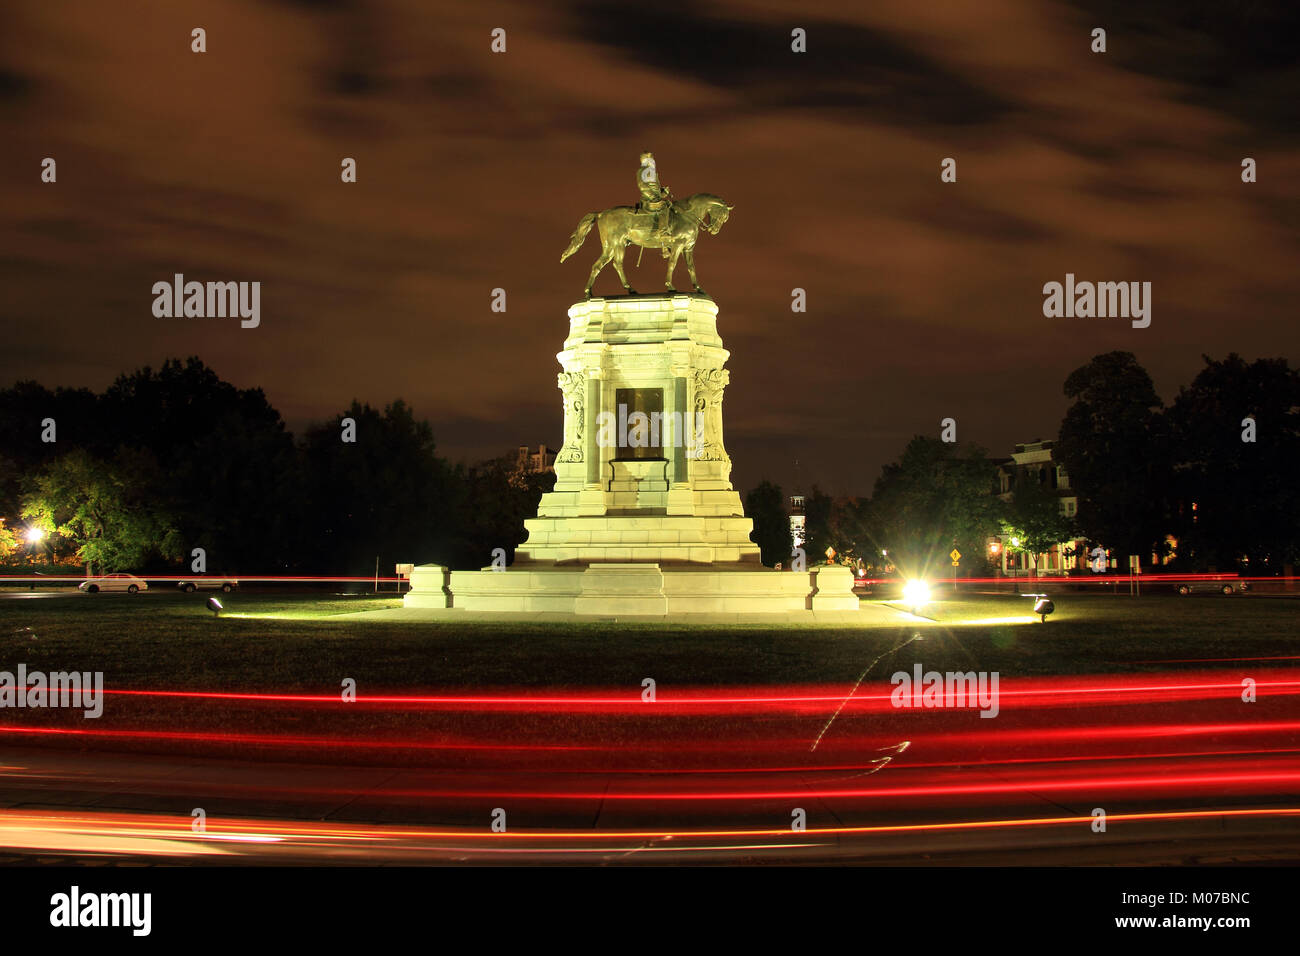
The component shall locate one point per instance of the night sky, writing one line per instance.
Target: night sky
(924, 298)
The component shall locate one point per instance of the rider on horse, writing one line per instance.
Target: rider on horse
(654, 198)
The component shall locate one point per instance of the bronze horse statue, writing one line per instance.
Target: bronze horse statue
(621, 226)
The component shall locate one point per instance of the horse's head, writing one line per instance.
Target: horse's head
(718, 211)
(707, 210)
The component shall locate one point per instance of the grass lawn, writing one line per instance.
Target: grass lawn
(299, 643)
(164, 640)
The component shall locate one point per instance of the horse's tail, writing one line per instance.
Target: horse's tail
(579, 235)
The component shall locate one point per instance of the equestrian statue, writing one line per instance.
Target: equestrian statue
(658, 221)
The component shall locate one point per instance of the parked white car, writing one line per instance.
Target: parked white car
(208, 584)
(1212, 587)
(120, 581)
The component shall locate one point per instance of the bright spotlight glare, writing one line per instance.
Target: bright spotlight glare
(34, 535)
(916, 593)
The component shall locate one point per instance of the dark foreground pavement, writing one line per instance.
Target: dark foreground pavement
(69, 807)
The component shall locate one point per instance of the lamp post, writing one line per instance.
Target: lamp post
(33, 537)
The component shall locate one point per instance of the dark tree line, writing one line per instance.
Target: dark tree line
(1216, 473)
(165, 461)
(937, 496)
(169, 460)
(1216, 470)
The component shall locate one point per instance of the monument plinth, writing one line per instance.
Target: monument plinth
(643, 474)
(643, 520)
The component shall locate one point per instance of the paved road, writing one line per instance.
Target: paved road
(64, 805)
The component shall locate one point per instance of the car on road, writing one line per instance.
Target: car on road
(118, 581)
(207, 584)
(1211, 587)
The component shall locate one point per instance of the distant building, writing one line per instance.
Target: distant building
(798, 520)
(1033, 461)
(531, 462)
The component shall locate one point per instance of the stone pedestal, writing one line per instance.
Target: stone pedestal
(643, 474)
(643, 520)
(833, 589)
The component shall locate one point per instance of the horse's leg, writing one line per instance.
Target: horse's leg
(690, 266)
(606, 254)
(601, 261)
(618, 267)
(672, 266)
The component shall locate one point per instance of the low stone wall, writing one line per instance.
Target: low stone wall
(634, 590)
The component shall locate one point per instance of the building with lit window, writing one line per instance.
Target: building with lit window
(798, 520)
(1033, 462)
(531, 462)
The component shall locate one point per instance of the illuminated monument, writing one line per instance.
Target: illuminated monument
(643, 520)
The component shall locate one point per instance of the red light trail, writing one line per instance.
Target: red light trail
(1027, 690)
(604, 768)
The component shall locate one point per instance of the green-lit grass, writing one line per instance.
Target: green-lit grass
(301, 643)
(278, 641)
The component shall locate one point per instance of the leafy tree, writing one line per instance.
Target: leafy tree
(232, 478)
(386, 494)
(1246, 496)
(1033, 516)
(23, 409)
(854, 534)
(935, 496)
(818, 531)
(8, 541)
(104, 509)
(1113, 447)
(765, 504)
(495, 500)
(848, 532)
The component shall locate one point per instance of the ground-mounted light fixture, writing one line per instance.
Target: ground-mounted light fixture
(915, 594)
(1043, 605)
(214, 606)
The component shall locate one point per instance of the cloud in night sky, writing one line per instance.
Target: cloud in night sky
(924, 298)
